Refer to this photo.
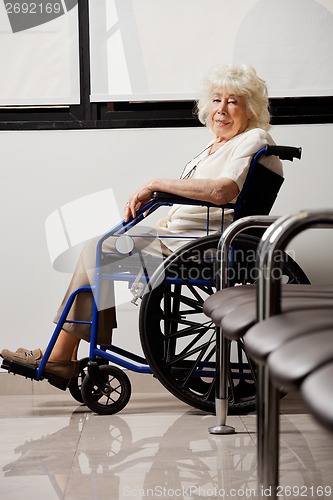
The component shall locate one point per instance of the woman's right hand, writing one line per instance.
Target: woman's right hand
(137, 200)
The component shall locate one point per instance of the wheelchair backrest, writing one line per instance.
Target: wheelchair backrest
(259, 192)
(262, 185)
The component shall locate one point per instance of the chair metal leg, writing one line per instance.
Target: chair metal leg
(261, 380)
(221, 400)
(268, 423)
(272, 432)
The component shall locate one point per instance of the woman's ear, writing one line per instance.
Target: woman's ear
(249, 115)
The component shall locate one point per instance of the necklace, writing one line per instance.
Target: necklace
(193, 169)
(215, 146)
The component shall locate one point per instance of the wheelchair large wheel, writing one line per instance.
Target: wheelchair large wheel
(177, 338)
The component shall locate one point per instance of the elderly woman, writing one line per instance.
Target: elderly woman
(234, 105)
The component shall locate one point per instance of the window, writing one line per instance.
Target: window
(130, 63)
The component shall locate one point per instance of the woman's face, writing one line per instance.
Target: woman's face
(228, 115)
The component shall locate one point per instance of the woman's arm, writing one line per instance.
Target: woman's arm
(218, 191)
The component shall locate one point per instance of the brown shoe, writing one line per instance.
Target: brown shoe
(58, 373)
(32, 358)
(62, 369)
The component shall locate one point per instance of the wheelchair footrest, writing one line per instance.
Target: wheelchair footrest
(30, 371)
(19, 368)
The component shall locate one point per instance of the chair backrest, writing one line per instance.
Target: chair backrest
(259, 192)
(262, 185)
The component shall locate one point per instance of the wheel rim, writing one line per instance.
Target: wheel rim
(179, 340)
(110, 397)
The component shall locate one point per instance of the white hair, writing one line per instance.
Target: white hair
(239, 80)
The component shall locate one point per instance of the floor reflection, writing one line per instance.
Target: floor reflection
(157, 455)
(111, 456)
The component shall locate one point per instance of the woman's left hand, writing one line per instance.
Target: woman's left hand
(137, 200)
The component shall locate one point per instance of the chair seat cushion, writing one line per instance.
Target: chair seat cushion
(225, 301)
(237, 323)
(317, 392)
(299, 357)
(266, 336)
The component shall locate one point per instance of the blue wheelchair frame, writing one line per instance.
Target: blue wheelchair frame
(117, 355)
(112, 353)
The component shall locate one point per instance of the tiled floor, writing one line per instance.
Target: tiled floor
(156, 447)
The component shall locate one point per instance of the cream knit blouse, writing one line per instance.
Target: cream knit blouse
(231, 161)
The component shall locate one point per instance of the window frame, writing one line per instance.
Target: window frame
(88, 115)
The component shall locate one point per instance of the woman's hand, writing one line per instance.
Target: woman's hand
(137, 200)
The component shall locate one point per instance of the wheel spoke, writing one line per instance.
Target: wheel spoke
(195, 292)
(195, 365)
(193, 328)
(177, 339)
(186, 300)
(112, 395)
(188, 352)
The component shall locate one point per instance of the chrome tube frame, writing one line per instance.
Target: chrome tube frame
(222, 352)
(276, 239)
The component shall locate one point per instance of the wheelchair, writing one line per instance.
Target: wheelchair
(177, 339)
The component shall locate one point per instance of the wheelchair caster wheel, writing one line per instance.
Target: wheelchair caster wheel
(109, 392)
(75, 384)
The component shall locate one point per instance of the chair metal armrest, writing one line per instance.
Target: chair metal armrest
(275, 239)
(240, 225)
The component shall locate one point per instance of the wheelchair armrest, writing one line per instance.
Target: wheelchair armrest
(284, 152)
(182, 200)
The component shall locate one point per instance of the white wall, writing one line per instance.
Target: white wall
(43, 170)
(308, 185)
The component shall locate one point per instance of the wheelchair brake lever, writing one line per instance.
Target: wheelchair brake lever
(137, 288)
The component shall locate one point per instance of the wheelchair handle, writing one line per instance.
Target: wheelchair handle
(284, 152)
